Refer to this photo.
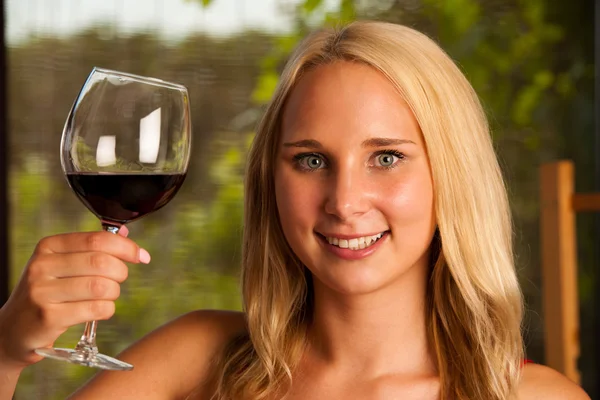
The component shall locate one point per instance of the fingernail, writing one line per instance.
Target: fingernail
(144, 256)
(123, 231)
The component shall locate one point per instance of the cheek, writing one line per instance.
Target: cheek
(294, 200)
(409, 202)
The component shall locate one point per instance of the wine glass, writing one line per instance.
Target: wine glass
(125, 149)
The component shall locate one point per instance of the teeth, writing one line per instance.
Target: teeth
(356, 243)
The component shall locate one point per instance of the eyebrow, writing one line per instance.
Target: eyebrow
(373, 142)
(384, 142)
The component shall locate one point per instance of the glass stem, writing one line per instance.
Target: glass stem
(87, 343)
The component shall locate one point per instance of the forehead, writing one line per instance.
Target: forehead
(346, 99)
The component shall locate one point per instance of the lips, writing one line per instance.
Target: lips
(355, 243)
(352, 249)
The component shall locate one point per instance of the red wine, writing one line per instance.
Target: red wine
(121, 198)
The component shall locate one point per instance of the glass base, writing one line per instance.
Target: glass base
(91, 360)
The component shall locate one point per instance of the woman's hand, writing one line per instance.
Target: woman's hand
(70, 279)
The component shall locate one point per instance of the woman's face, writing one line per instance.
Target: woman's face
(352, 179)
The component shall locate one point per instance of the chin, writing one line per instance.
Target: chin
(354, 282)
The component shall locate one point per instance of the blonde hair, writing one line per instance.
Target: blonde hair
(474, 300)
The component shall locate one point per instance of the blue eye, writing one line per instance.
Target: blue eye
(386, 160)
(310, 162)
(313, 162)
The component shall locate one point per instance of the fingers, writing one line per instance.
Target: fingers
(76, 289)
(70, 279)
(65, 315)
(78, 264)
(58, 278)
(101, 241)
(123, 231)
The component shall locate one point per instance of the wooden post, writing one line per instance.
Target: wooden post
(559, 267)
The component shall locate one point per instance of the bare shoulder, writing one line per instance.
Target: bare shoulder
(543, 383)
(171, 361)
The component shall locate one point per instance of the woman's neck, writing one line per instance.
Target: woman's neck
(378, 333)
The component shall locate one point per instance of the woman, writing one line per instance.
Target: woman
(377, 256)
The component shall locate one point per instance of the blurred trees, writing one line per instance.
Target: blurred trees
(531, 61)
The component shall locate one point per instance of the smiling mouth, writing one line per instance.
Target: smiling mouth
(355, 243)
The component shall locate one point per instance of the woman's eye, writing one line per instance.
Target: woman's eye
(386, 160)
(310, 161)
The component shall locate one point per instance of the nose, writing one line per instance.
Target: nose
(347, 194)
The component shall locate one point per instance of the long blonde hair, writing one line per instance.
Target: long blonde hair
(474, 300)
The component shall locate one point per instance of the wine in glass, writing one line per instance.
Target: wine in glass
(125, 149)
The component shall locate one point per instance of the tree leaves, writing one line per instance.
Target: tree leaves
(204, 3)
(311, 5)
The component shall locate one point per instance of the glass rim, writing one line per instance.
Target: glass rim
(139, 78)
